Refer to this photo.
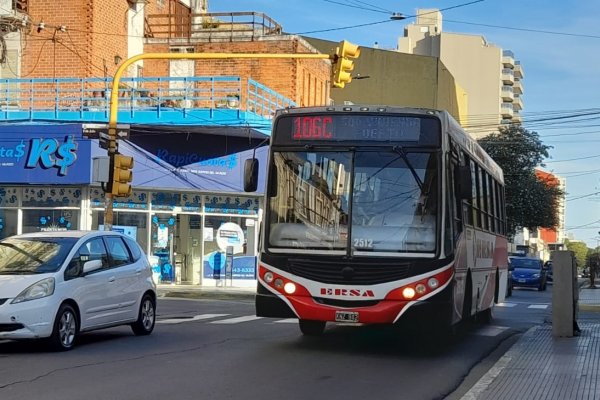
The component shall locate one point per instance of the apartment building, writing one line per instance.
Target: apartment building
(491, 76)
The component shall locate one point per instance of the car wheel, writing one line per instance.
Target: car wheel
(65, 329)
(311, 328)
(146, 317)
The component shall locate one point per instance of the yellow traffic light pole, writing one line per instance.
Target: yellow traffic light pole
(343, 51)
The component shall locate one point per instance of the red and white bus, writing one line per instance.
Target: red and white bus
(378, 215)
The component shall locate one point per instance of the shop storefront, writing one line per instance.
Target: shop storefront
(193, 220)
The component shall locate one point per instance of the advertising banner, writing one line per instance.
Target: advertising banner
(44, 154)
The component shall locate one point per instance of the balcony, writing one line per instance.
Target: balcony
(517, 103)
(517, 119)
(209, 27)
(506, 110)
(518, 87)
(519, 73)
(508, 76)
(215, 100)
(507, 93)
(508, 59)
(14, 14)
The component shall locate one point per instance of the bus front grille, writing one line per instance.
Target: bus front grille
(349, 272)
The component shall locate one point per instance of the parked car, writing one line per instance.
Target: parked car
(528, 272)
(56, 285)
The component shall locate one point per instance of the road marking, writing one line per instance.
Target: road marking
(509, 305)
(236, 320)
(5, 341)
(194, 318)
(490, 330)
(286, 321)
(539, 306)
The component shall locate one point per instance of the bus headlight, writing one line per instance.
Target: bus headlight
(278, 283)
(421, 288)
(289, 288)
(408, 293)
(269, 277)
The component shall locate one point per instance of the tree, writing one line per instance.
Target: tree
(531, 202)
(580, 250)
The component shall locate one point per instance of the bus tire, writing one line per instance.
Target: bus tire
(311, 328)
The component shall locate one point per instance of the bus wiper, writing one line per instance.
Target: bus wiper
(400, 151)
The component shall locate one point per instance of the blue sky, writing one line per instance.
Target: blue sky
(561, 68)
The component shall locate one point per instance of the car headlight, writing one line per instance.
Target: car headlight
(536, 275)
(38, 290)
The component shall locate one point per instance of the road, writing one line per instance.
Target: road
(216, 349)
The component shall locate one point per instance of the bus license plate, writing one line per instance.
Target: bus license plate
(346, 316)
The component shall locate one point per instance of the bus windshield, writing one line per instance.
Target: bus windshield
(391, 203)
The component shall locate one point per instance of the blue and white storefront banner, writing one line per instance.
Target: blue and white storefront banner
(44, 154)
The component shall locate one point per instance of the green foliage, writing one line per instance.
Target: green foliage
(580, 250)
(530, 202)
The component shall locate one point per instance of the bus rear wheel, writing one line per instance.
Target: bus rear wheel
(311, 328)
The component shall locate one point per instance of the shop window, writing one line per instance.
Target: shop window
(165, 201)
(50, 220)
(137, 201)
(51, 197)
(9, 197)
(131, 224)
(239, 205)
(8, 223)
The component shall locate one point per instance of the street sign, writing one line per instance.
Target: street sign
(96, 131)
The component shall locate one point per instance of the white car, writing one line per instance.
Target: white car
(56, 285)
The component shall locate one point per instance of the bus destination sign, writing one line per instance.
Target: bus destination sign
(313, 128)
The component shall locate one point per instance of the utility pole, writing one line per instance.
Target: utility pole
(119, 178)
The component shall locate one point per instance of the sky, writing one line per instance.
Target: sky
(557, 43)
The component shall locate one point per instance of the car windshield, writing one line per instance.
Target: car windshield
(26, 256)
(527, 263)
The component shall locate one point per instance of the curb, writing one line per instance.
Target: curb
(589, 307)
(197, 294)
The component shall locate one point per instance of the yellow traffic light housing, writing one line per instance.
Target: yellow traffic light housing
(122, 175)
(343, 65)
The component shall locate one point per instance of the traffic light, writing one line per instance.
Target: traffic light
(343, 65)
(122, 175)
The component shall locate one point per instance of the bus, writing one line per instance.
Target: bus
(378, 215)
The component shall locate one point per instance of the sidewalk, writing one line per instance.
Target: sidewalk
(540, 366)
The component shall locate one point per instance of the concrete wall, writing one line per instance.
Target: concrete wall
(400, 79)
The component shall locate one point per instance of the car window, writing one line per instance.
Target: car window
(27, 256)
(527, 263)
(93, 249)
(118, 251)
(136, 253)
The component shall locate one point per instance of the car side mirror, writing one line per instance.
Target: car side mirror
(91, 266)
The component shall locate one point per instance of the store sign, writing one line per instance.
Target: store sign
(42, 154)
(230, 234)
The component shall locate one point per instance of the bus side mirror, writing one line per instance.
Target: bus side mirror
(250, 175)
(465, 184)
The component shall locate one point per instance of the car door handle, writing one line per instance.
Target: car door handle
(111, 279)
(138, 271)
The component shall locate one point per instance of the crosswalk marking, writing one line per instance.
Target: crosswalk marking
(539, 306)
(286, 321)
(236, 320)
(194, 318)
(509, 305)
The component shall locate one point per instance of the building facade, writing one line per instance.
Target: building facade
(491, 76)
